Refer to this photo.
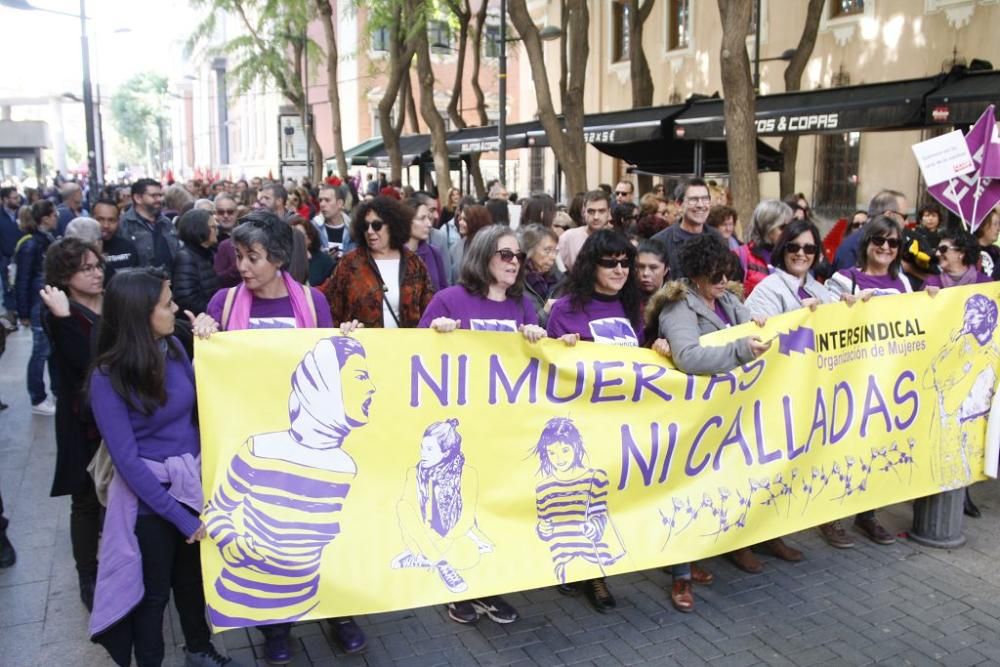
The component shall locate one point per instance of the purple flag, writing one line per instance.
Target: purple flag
(972, 196)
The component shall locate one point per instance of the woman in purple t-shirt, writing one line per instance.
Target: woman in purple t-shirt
(878, 271)
(877, 274)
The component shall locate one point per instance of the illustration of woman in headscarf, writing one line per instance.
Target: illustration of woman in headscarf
(437, 513)
(572, 505)
(280, 502)
(964, 376)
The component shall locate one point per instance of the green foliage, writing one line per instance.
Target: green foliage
(267, 33)
(137, 109)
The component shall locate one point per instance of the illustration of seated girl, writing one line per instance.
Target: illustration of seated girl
(279, 504)
(964, 375)
(571, 502)
(437, 512)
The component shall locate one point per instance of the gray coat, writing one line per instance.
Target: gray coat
(779, 293)
(684, 317)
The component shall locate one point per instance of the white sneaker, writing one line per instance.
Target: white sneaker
(46, 407)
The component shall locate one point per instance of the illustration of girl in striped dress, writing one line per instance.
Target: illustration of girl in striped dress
(571, 502)
(279, 504)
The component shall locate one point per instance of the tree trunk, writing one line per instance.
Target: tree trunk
(642, 78)
(477, 50)
(463, 14)
(793, 81)
(428, 111)
(738, 108)
(332, 86)
(400, 57)
(411, 107)
(569, 146)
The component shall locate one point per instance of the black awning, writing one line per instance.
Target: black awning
(676, 157)
(415, 148)
(616, 127)
(962, 100)
(486, 139)
(895, 105)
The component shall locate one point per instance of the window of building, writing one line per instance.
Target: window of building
(840, 8)
(536, 169)
(678, 24)
(838, 158)
(620, 36)
(380, 39)
(439, 37)
(491, 41)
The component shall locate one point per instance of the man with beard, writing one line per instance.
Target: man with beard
(154, 237)
(118, 251)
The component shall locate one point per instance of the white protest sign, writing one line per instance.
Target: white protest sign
(943, 158)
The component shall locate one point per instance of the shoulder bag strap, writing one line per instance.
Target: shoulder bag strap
(228, 306)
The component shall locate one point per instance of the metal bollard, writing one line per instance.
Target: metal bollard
(938, 520)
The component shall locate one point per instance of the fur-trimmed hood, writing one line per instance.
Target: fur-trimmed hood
(673, 291)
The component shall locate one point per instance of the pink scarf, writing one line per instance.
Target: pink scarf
(239, 316)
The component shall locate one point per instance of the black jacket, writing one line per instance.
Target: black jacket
(194, 281)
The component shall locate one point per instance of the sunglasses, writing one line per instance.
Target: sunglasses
(375, 225)
(508, 255)
(718, 277)
(943, 248)
(622, 194)
(225, 211)
(881, 241)
(807, 248)
(609, 263)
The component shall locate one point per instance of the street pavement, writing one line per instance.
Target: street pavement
(898, 605)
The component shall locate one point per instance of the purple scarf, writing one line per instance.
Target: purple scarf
(239, 316)
(967, 278)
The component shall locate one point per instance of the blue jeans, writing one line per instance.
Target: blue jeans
(40, 352)
(8, 290)
(681, 571)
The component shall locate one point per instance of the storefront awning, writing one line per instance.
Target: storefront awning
(486, 139)
(415, 148)
(358, 156)
(678, 157)
(896, 105)
(619, 127)
(962, 100)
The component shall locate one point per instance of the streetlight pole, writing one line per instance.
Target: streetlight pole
(502, 120)
(93, 179)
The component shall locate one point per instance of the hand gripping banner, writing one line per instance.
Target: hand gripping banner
(395, 469)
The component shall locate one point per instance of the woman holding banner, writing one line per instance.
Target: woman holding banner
(682, 312)
(601, 305)
(269, 298)
(489, 296)
(878, 273)
(789, 288)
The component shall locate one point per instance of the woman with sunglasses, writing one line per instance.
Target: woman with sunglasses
(381, 283)
(601, 304)
(682, 312)
(878, 273)
(957, 255)
(489, 296)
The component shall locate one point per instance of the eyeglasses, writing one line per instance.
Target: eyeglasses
(225, 211)
(622, 193)
(944, 247)
(90, 268)
(881, 241)
(508, 255)
(807, 248)
(610, 263)
(697, 200)
(374, 225)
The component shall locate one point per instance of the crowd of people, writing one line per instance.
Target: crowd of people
(100, 291)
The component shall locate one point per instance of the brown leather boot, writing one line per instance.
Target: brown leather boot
(746, 561)
(779, 549)
(682, 596)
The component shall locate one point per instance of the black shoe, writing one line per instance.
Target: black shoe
(208, 658)
(463, 612)
(3, 406)
(569, 590)
(970, 509)
(498, 610)
(87, 585)
(349, 637)
(599, 594)
(7, 554)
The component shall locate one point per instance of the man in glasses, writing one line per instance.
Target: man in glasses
(696, 201)
(596, 216)
(887, 202)
(225, 214)
(624, 192)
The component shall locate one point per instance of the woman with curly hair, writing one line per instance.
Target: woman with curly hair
(381, 283)
(682, 312)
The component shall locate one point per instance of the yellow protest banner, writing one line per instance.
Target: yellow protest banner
(395, 469)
